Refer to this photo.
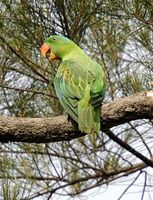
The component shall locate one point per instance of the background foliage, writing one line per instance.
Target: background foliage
(119, 35)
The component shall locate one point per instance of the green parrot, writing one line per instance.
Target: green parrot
(79, 82)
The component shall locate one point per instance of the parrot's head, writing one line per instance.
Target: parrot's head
(57, 47)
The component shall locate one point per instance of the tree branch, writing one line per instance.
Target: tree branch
(129, 148)
(41, 130)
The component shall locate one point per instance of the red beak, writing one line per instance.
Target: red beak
(44, 49)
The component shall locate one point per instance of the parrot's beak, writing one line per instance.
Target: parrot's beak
(44, 49)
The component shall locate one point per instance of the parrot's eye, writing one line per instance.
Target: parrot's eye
(54, 39)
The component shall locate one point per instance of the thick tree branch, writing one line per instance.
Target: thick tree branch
(41, 130)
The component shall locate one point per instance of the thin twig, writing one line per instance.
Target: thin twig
(126, 146)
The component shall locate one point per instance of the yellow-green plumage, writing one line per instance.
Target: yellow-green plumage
(79, 83)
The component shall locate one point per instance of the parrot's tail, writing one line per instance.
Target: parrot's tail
(88, 117)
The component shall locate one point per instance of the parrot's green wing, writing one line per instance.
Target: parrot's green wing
(80, 92)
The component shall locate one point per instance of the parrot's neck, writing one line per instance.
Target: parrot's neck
(76, 55)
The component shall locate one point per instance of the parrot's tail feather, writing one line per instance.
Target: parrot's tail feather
(88, 117)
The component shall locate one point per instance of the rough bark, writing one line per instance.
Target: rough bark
(41, 130)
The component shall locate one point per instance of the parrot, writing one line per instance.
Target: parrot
(79, 82)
